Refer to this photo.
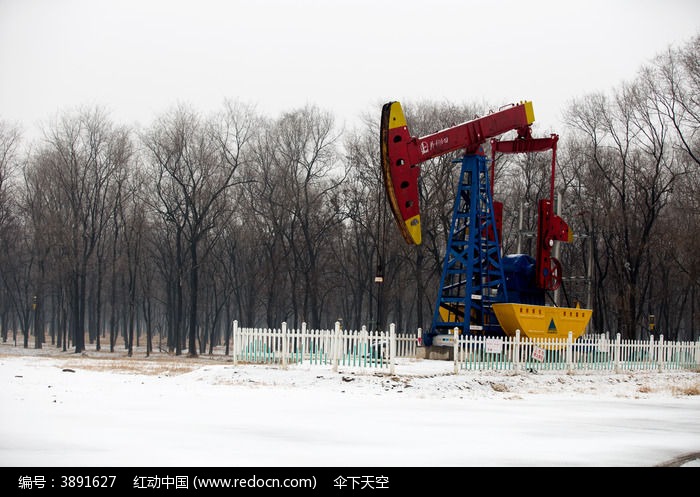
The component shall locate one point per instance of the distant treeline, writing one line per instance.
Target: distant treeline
(116, 235)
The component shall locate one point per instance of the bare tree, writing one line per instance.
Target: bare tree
(628, 155)
(10, 139)
(360, 246)
(673, 82)
(266, 214)
(194, 167)
(305, 154)
(133, 220)
(78, 157)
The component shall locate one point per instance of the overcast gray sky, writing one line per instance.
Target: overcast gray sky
(138, 58)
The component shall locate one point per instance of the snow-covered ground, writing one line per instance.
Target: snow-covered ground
(101, 409)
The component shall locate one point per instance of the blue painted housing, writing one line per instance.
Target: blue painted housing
(519, 272)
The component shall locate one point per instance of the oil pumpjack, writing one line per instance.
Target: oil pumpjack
(481, 292)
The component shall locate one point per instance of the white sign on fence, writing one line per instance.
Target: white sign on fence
(538, 354)
(493, 345)
(603, 345)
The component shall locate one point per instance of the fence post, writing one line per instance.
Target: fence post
(285, 346)
(569, 352)
(304, 339)
(235, 342)
(516, 352)
(336, 346)
(363, 346)
(392, 348)
(660, 354)
(455, 349)
(616, 354)
(419, 342)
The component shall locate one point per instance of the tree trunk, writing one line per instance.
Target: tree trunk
(192, 346)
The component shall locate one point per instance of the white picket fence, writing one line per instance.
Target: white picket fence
(587, 353)
(362, 349)
(379, 350)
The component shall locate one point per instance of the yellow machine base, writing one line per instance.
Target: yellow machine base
(538, 321)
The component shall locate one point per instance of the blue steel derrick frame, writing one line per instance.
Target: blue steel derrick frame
(472, 275)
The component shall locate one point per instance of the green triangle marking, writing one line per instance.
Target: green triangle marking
(552, 326)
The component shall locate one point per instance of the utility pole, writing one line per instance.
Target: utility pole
(379, 280)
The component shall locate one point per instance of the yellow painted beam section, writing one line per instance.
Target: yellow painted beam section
(529, 112)
(396, 117)
(413, 226)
